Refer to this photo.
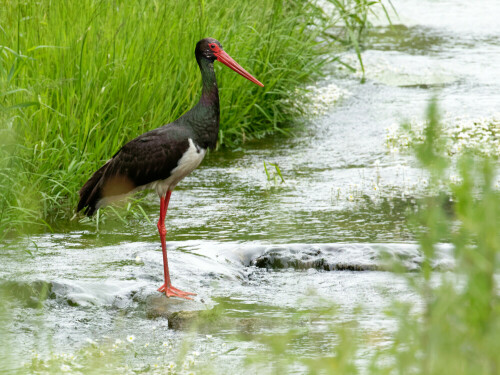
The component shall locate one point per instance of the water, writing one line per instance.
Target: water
(261, 249)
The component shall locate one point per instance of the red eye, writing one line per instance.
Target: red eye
(214, 47)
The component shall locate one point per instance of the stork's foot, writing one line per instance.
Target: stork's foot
(174, 292)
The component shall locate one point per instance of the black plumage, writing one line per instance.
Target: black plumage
(162, 157)
(153, 155)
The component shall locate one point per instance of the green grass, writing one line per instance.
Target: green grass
(78, 79)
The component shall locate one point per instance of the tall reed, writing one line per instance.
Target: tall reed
(78, 79)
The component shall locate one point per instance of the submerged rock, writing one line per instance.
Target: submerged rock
(28, 294)
(188, 315)
(182, 320)
(313, 257)
(347, 257)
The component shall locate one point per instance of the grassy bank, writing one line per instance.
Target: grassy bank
(78, 79)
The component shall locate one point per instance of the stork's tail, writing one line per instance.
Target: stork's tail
(91, 192)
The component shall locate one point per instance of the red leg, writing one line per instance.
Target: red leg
(167, 288)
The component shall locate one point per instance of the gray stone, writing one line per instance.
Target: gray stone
(181, 314)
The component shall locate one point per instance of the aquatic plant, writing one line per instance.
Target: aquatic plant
(462, 135)
(273, 175)
(354, 15)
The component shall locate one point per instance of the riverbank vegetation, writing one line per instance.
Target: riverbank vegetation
(456, 329)
(78, 79)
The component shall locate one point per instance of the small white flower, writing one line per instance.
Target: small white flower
(118, 341)
(131, 338)
(146, 344)
(209, 336)
(138, 259)
(196, 354)
(167, 345)
(171, 365)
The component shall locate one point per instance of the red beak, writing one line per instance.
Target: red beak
(227, 60)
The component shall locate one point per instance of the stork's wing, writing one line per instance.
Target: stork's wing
(147, 158)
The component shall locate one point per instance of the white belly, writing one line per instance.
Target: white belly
(186, 164)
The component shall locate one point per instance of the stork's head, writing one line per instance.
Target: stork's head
(211, 49)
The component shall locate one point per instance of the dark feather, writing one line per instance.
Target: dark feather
(148, 158)
(90, 193)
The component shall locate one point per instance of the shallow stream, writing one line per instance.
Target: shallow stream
(262, 249)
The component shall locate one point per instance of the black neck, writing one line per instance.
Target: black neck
(203, 118)
(210, 92)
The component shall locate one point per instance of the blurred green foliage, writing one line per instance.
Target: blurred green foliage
(453, 327)
(457, 329)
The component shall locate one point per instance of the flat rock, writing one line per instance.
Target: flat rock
(161, 306)
(181, 314)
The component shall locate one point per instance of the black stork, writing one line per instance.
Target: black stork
(162, 157)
